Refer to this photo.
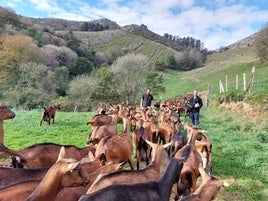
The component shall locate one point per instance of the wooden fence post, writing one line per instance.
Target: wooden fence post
(208, 96)
(250, 84)
(226, 84)
(221, 87)
(236, 82)
(244, 78)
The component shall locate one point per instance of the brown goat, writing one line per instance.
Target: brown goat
(177, 141)
(18, 191)
(151, 173)
(102, 119)
(140, 136)
(93, 169)
(189, 173)
(204, 147)
(49, 113)
(150, 191)
(5, 113)
(43, 155)
(64, 173)
(209, 188)
(116, 148)
(102, 108)
(99, 132)
(165, 132)
(9, 176)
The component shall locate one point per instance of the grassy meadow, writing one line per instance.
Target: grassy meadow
(239, 132)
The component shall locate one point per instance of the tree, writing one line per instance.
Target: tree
(79, 93)
(59, 56)
(171, 62)
(14, 51)
(84, 26)
(154, 81)
(35, 86)
(106, 87)
(159, 65)
(262, 44)
(130, 73)
(83, 66)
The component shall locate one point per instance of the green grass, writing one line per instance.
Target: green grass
(238, 152)
(24, 129)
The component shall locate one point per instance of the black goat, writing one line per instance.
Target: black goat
(148, 191)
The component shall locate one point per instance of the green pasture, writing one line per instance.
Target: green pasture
(240, 145)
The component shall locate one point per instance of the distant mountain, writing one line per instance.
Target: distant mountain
(66, 25)
(246, 42)
(110, 39)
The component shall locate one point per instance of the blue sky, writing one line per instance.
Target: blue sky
(217, 23)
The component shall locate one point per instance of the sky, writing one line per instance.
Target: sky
(217, 23)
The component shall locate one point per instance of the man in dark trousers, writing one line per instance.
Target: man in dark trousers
(147, 99)
(196, 103)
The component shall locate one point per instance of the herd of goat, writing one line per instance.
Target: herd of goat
(170, 157)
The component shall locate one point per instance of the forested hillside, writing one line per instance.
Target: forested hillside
(76, 63)
(82, 63)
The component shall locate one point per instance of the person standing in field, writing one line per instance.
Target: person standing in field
(147, 99)
(196, 103)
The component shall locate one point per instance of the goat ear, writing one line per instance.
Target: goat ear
(61, 154)
(228, 182)
(72, 166)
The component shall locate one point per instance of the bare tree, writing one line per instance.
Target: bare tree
(130, 73)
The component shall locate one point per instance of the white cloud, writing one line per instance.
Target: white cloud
(46, 5)
(215, 22)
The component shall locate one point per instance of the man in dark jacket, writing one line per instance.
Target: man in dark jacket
(147, 99)
(196, 103)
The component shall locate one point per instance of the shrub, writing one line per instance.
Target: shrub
(234, 96)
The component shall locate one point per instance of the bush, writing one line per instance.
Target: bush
(234, 97)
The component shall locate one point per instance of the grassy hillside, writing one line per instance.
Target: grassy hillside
(115, 41)
(229, 63)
